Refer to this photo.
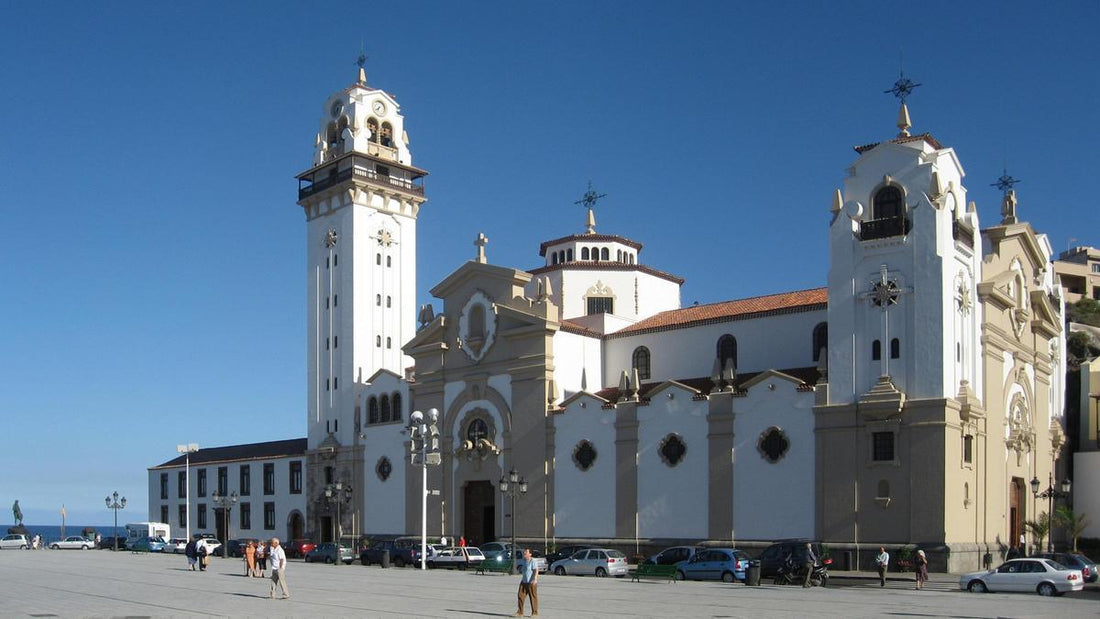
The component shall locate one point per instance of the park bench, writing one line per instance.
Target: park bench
(649, 570)
(489, 567)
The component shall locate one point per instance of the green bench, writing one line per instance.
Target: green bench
(648, 570)
(490, 567)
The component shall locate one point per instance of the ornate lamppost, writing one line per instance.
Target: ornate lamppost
(424, 449)
(1050, 494)
(511, 486)
(226, 503)
(116, 505)
(335, 494)
(187, 450)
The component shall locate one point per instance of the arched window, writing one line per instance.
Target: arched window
(876, 350)
(389, 261)
(378, 341)
(584, 253)
(332, 135)
(887, 203)
(385, 137)
(372, 410)
(727, 350)
(618, 255)
(895, 348)
(378, 300)
(476, 322)
(389, 300)
(554, 258)
(389, 342)
(372, 126)
(378, 259)
(631, 258)
(477, 430)
(604, 254)
(398, 414)
(385, 405)
(640, 361)
(569, 255)
(820, 339)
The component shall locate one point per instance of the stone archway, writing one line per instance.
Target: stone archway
(295, 526)
(478, 512)
(1016, 513)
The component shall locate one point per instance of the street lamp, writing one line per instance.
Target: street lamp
(510, 487)
(226, 503)
(1050, 494)
(116, 505)
(424, 450)
(337, 493)
(187, 450)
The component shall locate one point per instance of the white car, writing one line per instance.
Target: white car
(461, 557)
(73, 542)
(15, 540)
(176, 545)
(596, 561)
(1043, 576)
(212, 545)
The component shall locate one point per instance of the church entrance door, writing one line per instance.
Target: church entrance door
(479, 513)
(297, 527)
(326, 529)
(1015, 511)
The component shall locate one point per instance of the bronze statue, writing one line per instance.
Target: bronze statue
(18, 513)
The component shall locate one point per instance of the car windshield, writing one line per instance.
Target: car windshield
(615, 554)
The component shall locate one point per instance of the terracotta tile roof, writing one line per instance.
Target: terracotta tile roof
(573, 327)
(725, 311)
(927, 137)
(808, 376)
(605, 265)
(614, 238)
(248, 451)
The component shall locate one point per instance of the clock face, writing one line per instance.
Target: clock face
(337, 108)
(379, 108)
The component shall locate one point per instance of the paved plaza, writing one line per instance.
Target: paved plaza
(105, 584)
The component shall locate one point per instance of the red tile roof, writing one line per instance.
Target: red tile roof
(614, 238)
(927, 137)
(809, 376)
(725, 311)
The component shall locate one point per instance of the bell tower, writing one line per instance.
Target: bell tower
(360, 199)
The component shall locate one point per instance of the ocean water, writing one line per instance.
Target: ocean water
(53, 533)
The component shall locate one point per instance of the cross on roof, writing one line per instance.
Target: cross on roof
(590, 197)
(1005, 183)
(481, 241)
(903, 87)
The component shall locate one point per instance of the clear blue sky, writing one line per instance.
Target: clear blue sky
(153, 276)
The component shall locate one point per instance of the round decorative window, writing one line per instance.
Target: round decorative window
(383, 468)
(584, 455)
(477, 429)
(773, 444)
(672, 449)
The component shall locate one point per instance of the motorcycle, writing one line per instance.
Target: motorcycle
(790, 573)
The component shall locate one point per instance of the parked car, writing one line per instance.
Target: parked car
(108, 543)
(564, 552)
(1073, 561)
(298, 548)
(400, 553)
(776, 555)
(492, 549)
(725, 564)
(15, 540)
(212, 545)
(237, 546)
(674, 555)
(176, 545)
(147, 544)
(458, 557)
(73, 542)
(540, 561)
(330, 552)
(1042, 576)
(596, 561)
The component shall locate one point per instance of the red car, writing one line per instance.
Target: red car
(299, 547)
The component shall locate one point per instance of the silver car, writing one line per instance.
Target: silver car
(1041, 576)
(15, 540)
(73, 542)
(594, 561)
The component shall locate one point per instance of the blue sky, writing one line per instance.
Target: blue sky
(153, 270)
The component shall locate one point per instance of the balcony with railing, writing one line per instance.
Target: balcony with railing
(884, 228)
(362, 168)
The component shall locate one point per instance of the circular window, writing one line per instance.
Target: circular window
(383, 468)
(584, 455)
(672, 449)
(477, 429)
(773, 444)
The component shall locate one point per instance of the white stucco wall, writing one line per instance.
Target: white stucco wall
(672, 501)
(577, 363)
(584, 501)
(382, 502)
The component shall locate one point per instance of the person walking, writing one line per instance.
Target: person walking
(882, 561)
(462, 541)
(250, 559)
(809, 562)
(277, 557)
(261, 557)
(528, 584)
(203, 553)
(922, 569)
(191, 551)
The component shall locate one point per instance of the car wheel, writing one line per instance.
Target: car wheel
(328, 560)
(1047, 590)
(600, 572)
(399, 562)
(55, 547)
(727, 577)
(559, 570)
(83, 547)
(977, 586)
(364, 561)
(679, 575)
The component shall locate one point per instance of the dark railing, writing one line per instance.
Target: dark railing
(962, 234)
(883, 228)
(361, 167)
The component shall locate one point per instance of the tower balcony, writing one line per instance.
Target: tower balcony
(884, 228)
(388, 174)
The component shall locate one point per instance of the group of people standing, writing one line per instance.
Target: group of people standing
(257, 558)
(920, 566)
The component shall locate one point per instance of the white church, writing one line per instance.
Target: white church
(908, 401)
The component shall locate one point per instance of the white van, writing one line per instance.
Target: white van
(138, 530)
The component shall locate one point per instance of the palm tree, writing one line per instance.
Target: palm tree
(1039, 528)
(1073, 522)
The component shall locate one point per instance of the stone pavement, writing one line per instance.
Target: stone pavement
(73, 583)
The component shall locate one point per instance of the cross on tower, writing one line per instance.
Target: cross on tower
(589, 200)
(884, 294)
(481, 241)
(1005, 183)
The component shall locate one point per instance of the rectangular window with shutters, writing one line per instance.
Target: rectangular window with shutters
(269, 516)
(164, 487)
(181, 484)
(246, 516)
(202, 482)
(269, 478)
(246, 480)
(601, 305)
(183, 516)
(882, 446)
(164, 513)
(202, 515)
(223, 480)
(968, 449)
(296, 477)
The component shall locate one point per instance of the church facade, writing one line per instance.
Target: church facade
(910, 400)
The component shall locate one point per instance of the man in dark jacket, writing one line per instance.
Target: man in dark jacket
(192, 552)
